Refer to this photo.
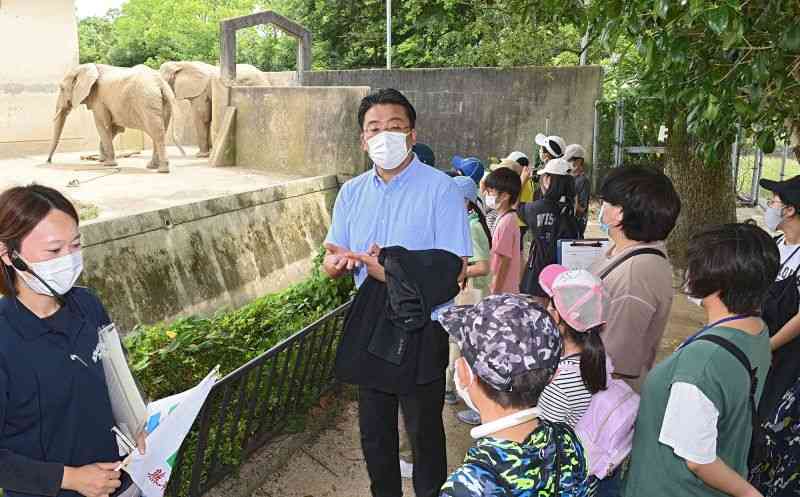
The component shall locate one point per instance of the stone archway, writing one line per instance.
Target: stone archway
(229, 27)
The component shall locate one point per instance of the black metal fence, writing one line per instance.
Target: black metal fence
(258, 401)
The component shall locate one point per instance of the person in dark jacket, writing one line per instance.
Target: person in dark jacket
(400, 202)
(544, 217)
(55, 412)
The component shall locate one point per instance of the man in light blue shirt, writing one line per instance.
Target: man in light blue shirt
(404, 202)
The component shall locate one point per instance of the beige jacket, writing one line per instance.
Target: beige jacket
(641, 291)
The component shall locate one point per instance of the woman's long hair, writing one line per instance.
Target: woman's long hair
(561, 189)
(593, 356)
(472, 207)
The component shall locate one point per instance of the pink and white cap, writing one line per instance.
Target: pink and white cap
(578, 296)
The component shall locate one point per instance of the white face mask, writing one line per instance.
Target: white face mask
(491, 201)
(603, 225)
(462, 389)
(773, 217)
(388, 149)
(60, 273)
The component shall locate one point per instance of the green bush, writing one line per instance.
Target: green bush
(168, 358)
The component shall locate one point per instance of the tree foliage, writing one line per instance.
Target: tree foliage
(346, 34)
(718, 62)
(153, 31)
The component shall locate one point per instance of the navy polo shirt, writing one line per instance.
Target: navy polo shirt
(54, 405)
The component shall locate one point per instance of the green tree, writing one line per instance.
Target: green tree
(711, 64)
(96, 37)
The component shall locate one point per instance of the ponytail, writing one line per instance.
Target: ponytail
(482, 219)
(593, 357)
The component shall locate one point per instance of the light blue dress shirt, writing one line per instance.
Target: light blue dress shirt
(419, 209)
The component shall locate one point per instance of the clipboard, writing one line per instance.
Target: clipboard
(580, 254)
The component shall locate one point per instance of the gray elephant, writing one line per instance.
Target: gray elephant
(119, 98)
(192, 80)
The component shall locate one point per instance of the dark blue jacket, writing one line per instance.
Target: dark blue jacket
(54, 405)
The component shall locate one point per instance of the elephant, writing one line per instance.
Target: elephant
(193, 80)
(119, 98)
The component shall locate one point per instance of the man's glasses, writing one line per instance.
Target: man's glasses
(372, 131)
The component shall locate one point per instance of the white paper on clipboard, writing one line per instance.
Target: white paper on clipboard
(580, 254)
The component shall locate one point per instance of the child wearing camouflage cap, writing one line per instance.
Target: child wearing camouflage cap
(511, 348)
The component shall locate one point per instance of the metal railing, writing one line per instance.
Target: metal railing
(253, 404)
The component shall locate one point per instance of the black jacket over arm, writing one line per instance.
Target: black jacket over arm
(390, 343)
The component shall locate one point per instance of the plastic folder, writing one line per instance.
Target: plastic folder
(130, 412)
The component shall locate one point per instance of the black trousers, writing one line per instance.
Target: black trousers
(422, 411)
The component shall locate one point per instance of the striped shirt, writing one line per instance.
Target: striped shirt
(566, 398)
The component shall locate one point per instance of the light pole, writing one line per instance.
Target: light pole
(388, 34)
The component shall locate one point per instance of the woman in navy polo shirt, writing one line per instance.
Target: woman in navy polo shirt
(55, 412)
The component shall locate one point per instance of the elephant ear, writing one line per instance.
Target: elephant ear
(190, 82)
(85, 79)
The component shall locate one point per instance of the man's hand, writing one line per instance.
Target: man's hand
(370, 260)
(339, 261)
(92, 480)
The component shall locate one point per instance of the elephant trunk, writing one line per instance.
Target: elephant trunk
(58, 128)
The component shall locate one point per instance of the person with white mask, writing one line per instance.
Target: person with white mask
(55, 411)
(780, 309)
(399, 202)
(511, 348)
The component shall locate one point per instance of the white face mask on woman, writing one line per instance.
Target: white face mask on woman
(60, 273)
(773, 217)
(388, 149)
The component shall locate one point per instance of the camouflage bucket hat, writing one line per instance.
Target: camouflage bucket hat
(504, 336)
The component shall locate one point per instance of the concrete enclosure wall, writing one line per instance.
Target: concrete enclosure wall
(39, 43)
(487, 112)
(201, 257)
(301, 130)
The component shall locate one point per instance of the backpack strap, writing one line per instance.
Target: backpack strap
(632, 253)
(752, 372)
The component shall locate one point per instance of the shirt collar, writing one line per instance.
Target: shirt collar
(401, 178)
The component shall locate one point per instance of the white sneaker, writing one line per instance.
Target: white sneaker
(406, 469)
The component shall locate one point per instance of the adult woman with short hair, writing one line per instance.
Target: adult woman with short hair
(55, 412)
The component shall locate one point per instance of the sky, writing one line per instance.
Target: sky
(88, 8)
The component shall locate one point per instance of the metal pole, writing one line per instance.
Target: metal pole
(388, 34)
(735, 159)
(783, 160)
(584, 48)
(594, 146)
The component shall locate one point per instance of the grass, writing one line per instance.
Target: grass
(771, 169)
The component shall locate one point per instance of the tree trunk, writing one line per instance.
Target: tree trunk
(705, 189)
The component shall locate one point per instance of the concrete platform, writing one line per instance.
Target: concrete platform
(131, 188)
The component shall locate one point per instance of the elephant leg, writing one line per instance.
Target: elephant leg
(160, 160)
(201, 110)
(102, 120)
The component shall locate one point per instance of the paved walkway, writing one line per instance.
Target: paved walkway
(131, 188)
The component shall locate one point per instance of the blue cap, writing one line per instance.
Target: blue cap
(425, 154)
(467, 187)
(469, 166)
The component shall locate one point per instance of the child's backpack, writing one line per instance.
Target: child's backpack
(606, 429)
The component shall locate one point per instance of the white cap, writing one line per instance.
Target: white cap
(553, 144)
(509, 163)
(516, 156)
(575, 151)
(556, 166)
